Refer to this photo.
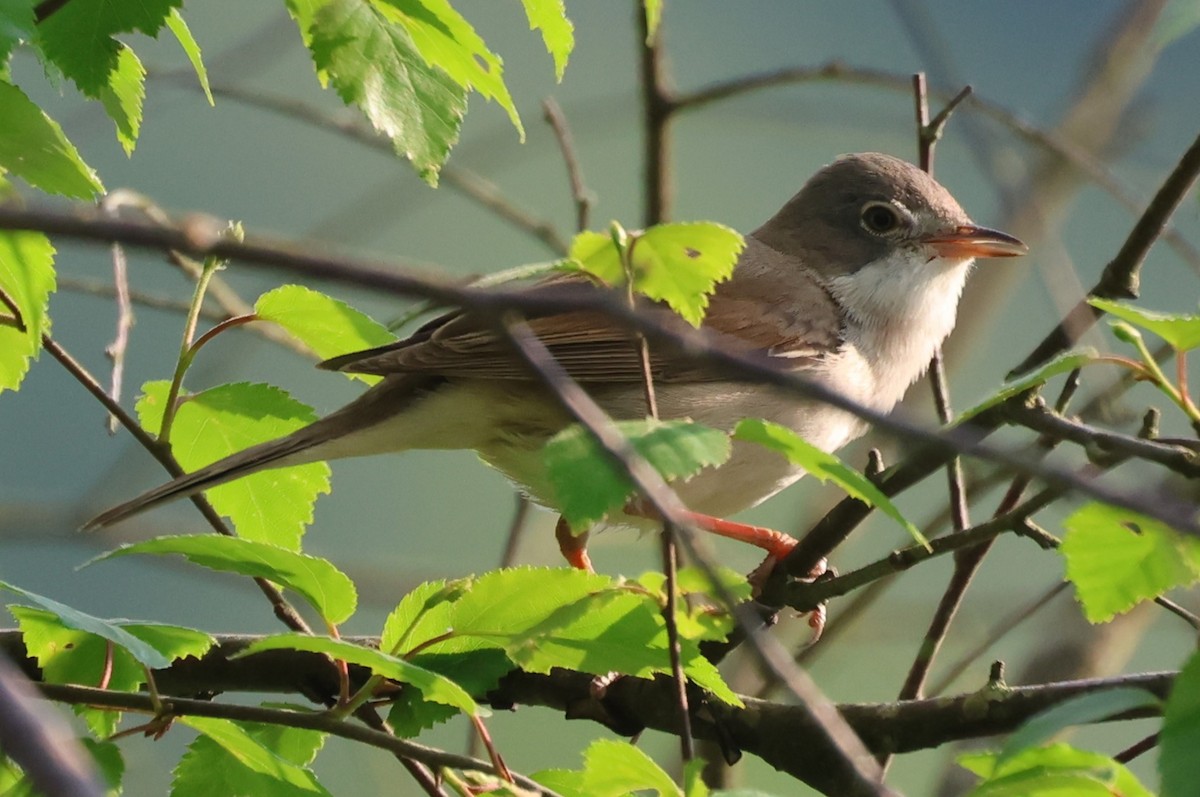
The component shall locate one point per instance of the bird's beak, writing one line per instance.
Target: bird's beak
(971, 241)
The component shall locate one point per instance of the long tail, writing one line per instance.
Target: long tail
(305, 445)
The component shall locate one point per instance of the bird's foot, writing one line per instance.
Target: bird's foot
(573, 546)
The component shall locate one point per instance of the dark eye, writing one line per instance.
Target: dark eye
(880, 218)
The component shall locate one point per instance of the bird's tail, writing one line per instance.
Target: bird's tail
(294, 449)
(355, 421)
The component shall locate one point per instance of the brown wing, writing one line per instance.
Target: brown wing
(592, 348)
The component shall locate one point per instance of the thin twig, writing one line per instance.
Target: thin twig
(1120, 279)
(116, 350)
(1134, 750)
(658, 105)
(566, 144)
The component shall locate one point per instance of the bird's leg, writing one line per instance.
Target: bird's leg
(573, 546)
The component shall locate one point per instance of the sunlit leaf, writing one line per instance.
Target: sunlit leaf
(253, 754)
(27, 279)
(373, 63)
(1181, 331)
(208, 769)
(1116, 559)
(611, 768)
(679, 264)
(122, 96)
(588, 485)
(16, 26)
(33, 147)
(324, 324)
(558, 33)
(272, 506)
(1058, 770)
(191, 49)
(824, 466)
(327, 589)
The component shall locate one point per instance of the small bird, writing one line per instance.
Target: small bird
(854, 283)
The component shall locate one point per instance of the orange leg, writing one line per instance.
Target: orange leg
(573, 546)
(775, 543)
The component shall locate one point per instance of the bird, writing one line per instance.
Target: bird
(854, 283)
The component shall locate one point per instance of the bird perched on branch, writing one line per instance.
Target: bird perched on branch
(854, 283)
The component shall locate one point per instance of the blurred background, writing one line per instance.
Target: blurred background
(1114, 84)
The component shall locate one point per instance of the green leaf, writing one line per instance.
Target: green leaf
(272, 506)
(546, 618)
(1180, 735)
(679, 264)
(448, 42)
(373, 63)
(1177, 19)
(1116, 559)
(1058, 770)
(558, 34)
(122, 97)
(322, 323)
(588, 485)
(68, 655)
(421, 615)
(433, 686)
(33, 147)
(16, 26)
(108, 760)
(1064, 362)
(1182, 332)
(824, 466)
(209, 770)
(252, 754)
(191, 49)
(112, 631)
(26, 278)
(611, 768)
(327, 589)
(477, 671)
(78, 37)
(1081, 710)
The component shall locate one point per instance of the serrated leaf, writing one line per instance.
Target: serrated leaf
(448, 42)
(1080, 710)
(1061, 364)
(69, 655)
(679, 264)
(611, 768)
(252, 754)
(477, 671)
(824, 466)
(588, 485)
(421, 614)
(108, 760)
(433, 686)
(1180, 735)
(16, 26)
(1181, 331)
(78, 37)
(1116, 559)
(558, 34)
(191, 49)
(33, 147)
(272, 506)
(327, 589)
(209, 770)
(105, 629)
(122, 97)
(27, 278)
(1057, 770)
(374, 64)
(324, 324)
(546, 618)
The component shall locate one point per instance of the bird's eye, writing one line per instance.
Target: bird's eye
(880, 218)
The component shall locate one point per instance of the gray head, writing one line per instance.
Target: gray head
(862, 207)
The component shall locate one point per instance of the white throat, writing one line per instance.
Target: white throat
(898, 311)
